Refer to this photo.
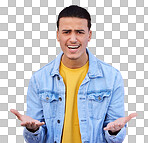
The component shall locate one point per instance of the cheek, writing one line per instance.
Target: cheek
(84, 41)
(62, 41)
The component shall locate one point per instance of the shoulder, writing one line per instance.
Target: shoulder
(107, 67)
(45, 70)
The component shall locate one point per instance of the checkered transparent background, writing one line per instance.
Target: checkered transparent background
(28, 42)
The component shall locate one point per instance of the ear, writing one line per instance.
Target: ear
(90, 34)
(58, 35)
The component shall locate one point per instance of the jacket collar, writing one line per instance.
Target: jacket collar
(95, 69)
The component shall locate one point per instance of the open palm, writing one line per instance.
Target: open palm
(119, 123)
(27, 121)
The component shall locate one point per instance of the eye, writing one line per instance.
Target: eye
(66, 32)
(79, 32)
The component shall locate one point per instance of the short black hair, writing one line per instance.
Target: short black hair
(75, 11)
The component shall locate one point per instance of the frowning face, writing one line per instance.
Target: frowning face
(73, 35)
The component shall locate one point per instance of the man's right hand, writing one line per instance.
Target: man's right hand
(28, 122)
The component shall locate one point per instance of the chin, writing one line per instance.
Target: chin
(73, 58)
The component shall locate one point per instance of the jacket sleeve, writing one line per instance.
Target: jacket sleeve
(34, 110)
(116, 110)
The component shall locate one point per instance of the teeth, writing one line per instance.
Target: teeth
(73, 47)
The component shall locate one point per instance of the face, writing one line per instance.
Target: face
(73, 35)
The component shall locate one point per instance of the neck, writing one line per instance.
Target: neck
(75, 63)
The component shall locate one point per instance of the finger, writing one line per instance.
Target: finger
(122, 125)
(33, 125)
(16, 113)
(108, 127)
(132, 115)
(114, 127)
(117, 127)
(40, 123)
(28, 125)
(36, 124)
(23, 124)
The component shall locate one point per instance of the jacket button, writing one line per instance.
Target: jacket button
(58, 121)
(58, 78)
(47, 98)
(55, 142)
(99, 98)
(60, 98)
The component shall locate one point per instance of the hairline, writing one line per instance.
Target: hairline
(71, 17)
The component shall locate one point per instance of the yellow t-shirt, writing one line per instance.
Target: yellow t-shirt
(72, 79)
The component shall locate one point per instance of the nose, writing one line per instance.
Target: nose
(73, 38)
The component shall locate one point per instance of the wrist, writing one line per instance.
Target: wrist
(32, 130)
(113, 133)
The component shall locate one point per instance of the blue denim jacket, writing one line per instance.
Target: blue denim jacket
(100, 101)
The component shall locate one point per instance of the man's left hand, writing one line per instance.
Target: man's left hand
(119, 123)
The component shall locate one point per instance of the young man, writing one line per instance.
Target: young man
(75, 98)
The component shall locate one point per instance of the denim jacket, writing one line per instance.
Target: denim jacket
(100, 101)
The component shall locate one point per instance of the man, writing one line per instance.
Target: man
(76, 97)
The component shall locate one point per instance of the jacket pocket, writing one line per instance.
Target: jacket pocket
(98, 103)
(49, 102)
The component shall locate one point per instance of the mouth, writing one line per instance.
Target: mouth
(74, 47)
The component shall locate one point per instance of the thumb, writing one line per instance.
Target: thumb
(132, 115)
(16, 113)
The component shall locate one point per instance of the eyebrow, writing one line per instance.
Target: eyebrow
(79, 30)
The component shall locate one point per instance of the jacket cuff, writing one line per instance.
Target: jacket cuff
(30, 136)
(116, 138)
